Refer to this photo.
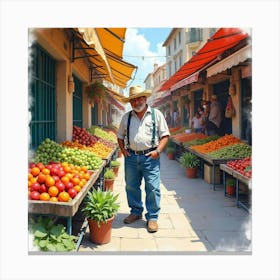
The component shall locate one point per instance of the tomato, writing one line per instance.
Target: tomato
(40, 165)
(72, 192)
(60, 186)
(53, 199)
(68, 185)
(35, 186)
(34, 195)
(43, 188)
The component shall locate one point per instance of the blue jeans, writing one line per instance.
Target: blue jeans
(136, 168)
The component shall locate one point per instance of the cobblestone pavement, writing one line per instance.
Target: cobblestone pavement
(194, 219)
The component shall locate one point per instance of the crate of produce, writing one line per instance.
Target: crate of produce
(208, 174)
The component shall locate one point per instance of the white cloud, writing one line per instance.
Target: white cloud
(137, 50)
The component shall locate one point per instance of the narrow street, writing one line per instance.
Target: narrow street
(193, 219)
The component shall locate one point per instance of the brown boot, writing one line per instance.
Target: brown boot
(152, 226)
(132, 218)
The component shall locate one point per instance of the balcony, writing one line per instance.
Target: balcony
(194, 35)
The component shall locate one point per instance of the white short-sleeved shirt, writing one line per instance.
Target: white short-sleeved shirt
(140, 132)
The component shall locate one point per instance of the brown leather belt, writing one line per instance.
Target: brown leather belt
(139, 153)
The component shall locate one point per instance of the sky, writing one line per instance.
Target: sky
(143, 48)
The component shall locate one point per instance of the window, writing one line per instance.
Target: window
(180, 61)
(169, 52)
(175, 65)
(179, 37)
(174, 44)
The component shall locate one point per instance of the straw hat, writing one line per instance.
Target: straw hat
(135, 92)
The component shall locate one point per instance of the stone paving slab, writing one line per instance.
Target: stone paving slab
(194, 219)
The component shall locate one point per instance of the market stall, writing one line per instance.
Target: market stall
(242, 200)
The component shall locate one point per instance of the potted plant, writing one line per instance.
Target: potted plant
(96, 91)
(191, 162)
(109, 178)
(100, 209)
(170, 151)
(115, 165)
(230, 186)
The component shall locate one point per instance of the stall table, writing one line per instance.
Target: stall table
(239, 178)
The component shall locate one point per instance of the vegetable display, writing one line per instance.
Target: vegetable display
(209, 147)
(243, 166)
(238, 150)
(82, 136)
(201, 141)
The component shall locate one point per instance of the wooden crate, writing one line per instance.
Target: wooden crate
(64, 209)
(208, 174)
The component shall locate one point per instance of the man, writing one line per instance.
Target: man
(146, 133)
(215, 116)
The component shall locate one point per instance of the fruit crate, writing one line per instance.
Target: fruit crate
(64, 209)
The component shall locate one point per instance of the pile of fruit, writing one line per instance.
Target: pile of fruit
(99, 149)
(238, 150)
(56, 182)
(243, 166)
(221, 142)
(100, 133)
(82, 136)
(49, 151)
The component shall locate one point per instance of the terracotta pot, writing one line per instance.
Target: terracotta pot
(171, 156)
(230, 190)
(109, 184)
(116, 170)
(102, 234)
(191, 172)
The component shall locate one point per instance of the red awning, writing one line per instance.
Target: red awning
(222, 40)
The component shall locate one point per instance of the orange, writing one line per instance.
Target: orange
(84, 168)
(67, 168)
(78, 188)
(65, 179)
(63, 196)
(46, 171)
(41, 178)
(35, 171)
(44, 196)
(86, 176)
(50, 181)
(30, 176)
(75, 181)
(53, 191)
(54, 199)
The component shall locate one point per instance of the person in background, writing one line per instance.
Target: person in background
(215, 116)
(142, 155)
(197, 123)
(168, 118)
(175, 114)
(206, 112)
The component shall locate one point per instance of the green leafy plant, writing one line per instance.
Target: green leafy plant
(96, 91)
(115, 163)
(230, 182)
(100, 205)
(109, 173)
(189, 160)
(51, 237)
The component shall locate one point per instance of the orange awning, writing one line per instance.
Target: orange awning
(224, 39)
(104, 47)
